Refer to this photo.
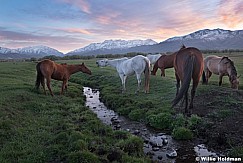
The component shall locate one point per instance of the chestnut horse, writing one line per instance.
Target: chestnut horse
(47, 69)
(222, 66)
(188, 65)
(164, 62)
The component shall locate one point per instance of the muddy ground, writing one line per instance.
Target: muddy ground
(222, 118)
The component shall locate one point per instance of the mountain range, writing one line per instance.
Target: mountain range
(206, 39)
(29, 52)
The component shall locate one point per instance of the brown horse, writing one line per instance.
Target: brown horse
(188, 64)
(164, 62)
(221, 66)
(48, 70)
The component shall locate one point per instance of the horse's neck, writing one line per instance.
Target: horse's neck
(73, 69)
(232, 71)
(113, 63)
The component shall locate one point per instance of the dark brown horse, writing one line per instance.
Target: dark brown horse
(48, 70)
(164, 62)
(188, 64)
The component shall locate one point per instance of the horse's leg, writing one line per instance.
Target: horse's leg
(43, 85)
(177, 83)
(48, 81)
(186, 107)
(220, 79)
(123, 80)
(64, 84)
(139, 82)
(208, 75)
(163, 72)
(193, 91)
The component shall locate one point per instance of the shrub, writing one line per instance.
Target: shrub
(124, 110)
(82, 157)
(133, 146)
(119, 134)
(182, 133)
(194, 121)
(79, 145)
(236, 152)
(137, 114)
(160, 121)
(179, 121)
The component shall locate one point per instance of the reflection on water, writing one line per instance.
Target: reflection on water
(158, 146)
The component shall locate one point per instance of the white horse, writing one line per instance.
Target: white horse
(153, 57)
(127, 67)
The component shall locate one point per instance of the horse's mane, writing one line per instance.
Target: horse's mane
(231, 63)
(120, 59)
(182, 46)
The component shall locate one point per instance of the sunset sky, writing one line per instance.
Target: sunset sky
(70, 24)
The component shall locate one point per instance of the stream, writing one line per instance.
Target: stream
(159, 146)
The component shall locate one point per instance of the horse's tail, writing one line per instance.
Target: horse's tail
(188, 70)
(39, 76)
(155, 68)
(204, 78)
(147, 75)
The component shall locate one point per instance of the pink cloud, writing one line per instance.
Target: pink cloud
(77, 30)
(231, 13)
(82, 4)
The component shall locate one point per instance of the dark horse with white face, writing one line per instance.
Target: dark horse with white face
(188, 65)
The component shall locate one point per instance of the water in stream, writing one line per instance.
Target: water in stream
(159, 146)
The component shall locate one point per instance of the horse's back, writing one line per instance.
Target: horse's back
(211, 63)
(135, 64)
(181, 61)
(47, 67)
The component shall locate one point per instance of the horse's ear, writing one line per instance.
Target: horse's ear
(82, 63)
(238, 76)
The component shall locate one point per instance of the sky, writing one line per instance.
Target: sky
(71, 24)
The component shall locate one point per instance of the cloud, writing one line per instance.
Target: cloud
(63, 43)
(231, 13)
(82, 4)
(76, 30)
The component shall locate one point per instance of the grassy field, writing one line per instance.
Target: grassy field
(216, 109)
(39, 128)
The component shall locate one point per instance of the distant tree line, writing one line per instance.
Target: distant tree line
(222, 51)
(132, 54)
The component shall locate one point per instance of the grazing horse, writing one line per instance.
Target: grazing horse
(153, 57)
(221, 66)
(188, 65)
(164, 62)
(127, 67)
(47, 69)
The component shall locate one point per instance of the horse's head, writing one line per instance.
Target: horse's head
(85, 69)
(234, 80)
(102, 63)
(153, 73)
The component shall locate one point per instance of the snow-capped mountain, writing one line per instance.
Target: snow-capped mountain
(113, 44)
(28, 52)
(208, 35)
(7, 50)
(39, 50)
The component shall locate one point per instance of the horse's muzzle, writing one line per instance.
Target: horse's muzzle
(97, 63)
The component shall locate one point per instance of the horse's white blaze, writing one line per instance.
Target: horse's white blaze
(127, 67)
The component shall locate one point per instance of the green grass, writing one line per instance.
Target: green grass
(39, 128)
